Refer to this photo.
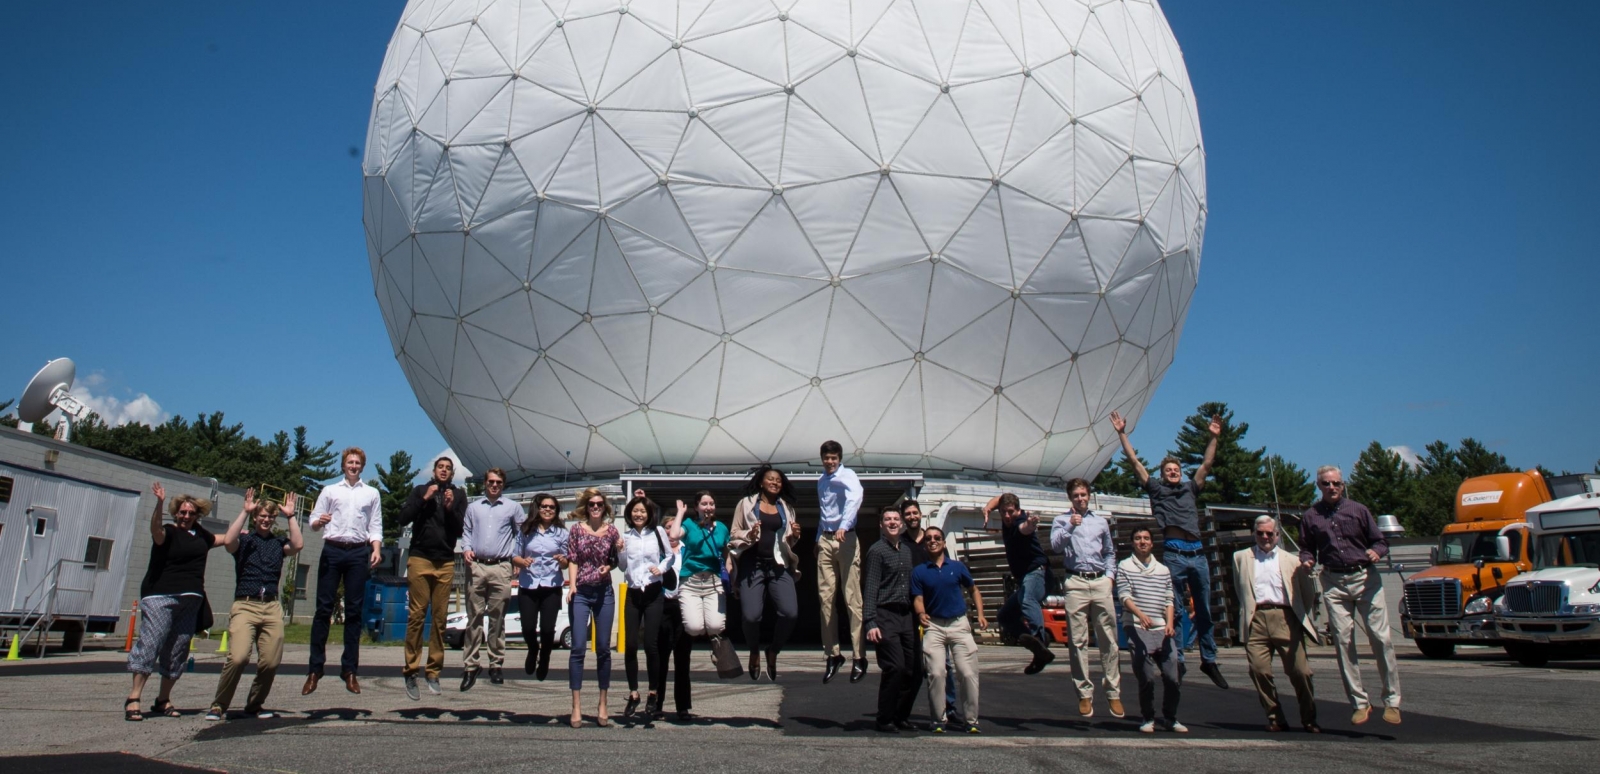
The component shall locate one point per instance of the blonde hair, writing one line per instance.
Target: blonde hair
(201, 507)
(580, 510)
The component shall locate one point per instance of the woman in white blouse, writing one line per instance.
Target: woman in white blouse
(645, 558)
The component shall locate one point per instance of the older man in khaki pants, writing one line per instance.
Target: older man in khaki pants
(1275, 598)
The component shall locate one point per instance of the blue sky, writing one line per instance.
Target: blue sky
(1395, 248)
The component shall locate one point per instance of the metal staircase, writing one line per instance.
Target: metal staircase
(47, 611)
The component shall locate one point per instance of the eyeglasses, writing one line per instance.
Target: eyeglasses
(1331, 484)
(1266, 533)
(547, 507)
(187, 513)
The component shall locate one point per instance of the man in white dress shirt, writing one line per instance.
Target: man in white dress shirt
(350, 517)
(1274, 609)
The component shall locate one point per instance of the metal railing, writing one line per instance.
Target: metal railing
(44, 613)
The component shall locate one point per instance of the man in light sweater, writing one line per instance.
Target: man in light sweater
(1144, 586)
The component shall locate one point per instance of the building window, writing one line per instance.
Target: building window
(40, 525)
(302, 574)
(98, 553)
(5, 489)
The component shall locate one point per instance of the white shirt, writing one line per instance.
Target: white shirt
(356, 509)
(838, 498)
(1269, 578)
(640, 553)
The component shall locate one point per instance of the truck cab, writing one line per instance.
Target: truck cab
(1554, 610)
(1452, 602)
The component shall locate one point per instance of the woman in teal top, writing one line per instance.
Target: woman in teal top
(705, 546)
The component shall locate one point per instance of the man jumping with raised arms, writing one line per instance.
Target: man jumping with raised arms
(1173, 503)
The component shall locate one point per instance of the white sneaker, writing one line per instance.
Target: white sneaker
(1147, 727)
(214, 714)
(1178, 728)
(433, 686)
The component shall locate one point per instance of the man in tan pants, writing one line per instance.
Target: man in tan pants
(489, 536)
(839, 495)
(1275, 594)
(256, 618)
(1089, 555)
(942, 611)
(434, 512)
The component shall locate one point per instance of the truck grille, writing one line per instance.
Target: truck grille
(1539, 597)
(1434, 598)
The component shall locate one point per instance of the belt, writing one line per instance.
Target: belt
(1087, 575)
(1272, 606)
(1181, 552)
(267, 597)
(489, 561)
(1346, 570)
(344, 543)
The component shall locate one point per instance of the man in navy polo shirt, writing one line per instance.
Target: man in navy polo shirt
(942, 610)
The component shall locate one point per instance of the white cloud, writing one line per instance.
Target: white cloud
(461, 470)
(1407, 455)
(140, 409)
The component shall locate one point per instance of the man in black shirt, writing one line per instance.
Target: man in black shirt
(886, 614)
(256, 617)
(434, 512)
(1022, 616)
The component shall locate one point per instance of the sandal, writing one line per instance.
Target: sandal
(164, 708)
(132, 715)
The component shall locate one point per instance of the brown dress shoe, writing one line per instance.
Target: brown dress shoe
(1086, 707)
(351, 684)
(311, 684)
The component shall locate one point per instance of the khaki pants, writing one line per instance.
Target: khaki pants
(1278, 631)
(428, 586)
(956, 632)
(1087, 598)
(1359, 595)
(258, 624)
(488, 589)
(839, 563)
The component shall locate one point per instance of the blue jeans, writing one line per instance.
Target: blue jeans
(1023, 612)
(950, 680)
(351, 565)
(1193, 573)
(598, 601)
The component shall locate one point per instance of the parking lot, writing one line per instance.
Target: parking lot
(1476, 712)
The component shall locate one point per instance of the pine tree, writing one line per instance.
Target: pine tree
(1118, 478)
(395, 486)
(1475, 459)
(1433, 498)
(7, 418)
(1290, 481)
(1237, 477)
(1383, 482)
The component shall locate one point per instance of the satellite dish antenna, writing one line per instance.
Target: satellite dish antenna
(48, 391)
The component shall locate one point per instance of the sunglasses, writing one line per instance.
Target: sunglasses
(547, 507)
(188, 513)
(597, 504)
(1331, 484)
(932, 539)
(1260, 533)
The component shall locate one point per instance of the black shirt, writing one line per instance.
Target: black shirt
(888, 581)
(434, 528)
(1174, 505)
(771, 526)
(258, 564)
(1023, 553)
(178, 563)
(919, 550)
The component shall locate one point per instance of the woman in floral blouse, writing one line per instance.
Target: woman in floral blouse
(592, 546)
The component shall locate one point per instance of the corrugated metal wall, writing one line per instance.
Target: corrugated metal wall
(80, 511)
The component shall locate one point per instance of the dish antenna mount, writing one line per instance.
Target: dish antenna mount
(48, 391)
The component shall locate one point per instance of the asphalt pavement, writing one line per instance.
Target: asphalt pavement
(1478, 712)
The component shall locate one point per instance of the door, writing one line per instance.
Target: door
(36, 557)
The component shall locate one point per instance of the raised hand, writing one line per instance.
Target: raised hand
(449, 497)
(250, 500)
(433, 489)
(159, 491)
(1216, 425)
(290, 505)
(1077, 521)
(1118, 423)
(682, 509)
(639, 493)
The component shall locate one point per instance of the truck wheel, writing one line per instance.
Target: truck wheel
(1436, 649)
(1528, 655)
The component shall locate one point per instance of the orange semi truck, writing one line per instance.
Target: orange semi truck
(1452, 602)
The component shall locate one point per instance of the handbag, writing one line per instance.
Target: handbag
(204, 619)
(669, 576)
(726, 659)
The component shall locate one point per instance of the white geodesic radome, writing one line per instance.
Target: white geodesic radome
(950, 234)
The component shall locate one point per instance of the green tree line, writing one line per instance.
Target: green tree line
(1421, 496)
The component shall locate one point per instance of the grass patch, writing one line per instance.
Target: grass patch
(300, 634)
